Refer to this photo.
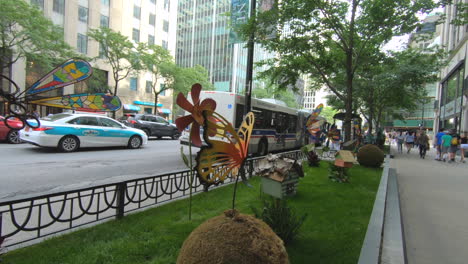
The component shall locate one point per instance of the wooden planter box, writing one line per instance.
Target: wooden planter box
(281, 189)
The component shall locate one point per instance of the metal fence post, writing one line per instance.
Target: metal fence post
(251, 168)
(120, 189)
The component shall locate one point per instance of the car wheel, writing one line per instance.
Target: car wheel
(147, 132)
(13, 137)
(134, 142)
(262, 147)
(69, 144)
(176, 135)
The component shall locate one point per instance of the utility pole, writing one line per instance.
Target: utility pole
(250, 57)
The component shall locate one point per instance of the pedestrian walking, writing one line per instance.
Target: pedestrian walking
(463, 146)
(446, 143)
(438, 143)
(409, 141)
(454, 145)
(423, 142)
(400, 140)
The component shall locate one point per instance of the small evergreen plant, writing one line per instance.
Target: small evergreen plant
(283, 219)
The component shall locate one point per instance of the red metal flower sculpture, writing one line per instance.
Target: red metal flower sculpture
(196, 109)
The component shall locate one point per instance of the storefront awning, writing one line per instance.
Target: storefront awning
(146, 103)
(164, 110)
(131, 107)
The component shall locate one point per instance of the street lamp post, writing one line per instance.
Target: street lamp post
(250, 57)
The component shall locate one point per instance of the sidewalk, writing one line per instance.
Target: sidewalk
(434, 207)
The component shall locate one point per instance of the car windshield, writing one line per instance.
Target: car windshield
(55, 117)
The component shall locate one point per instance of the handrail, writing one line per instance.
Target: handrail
(28, 220)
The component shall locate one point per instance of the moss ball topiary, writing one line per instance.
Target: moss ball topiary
(233, 238)
(370, 156)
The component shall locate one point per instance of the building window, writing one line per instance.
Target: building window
(82, 43)
(136, 35)
(164, 44)
(133, 84)
(150, 39)
(59, 6)
(166, 5)
(105, 2)
(166, 26)
(104, 21)
(162, 86)
(102, 52)
(136, 11)
(153, 1)
(152, 19)
(149, 87)
(38, 3)
(83, 14)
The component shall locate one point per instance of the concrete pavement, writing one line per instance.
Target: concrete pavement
(434, 208)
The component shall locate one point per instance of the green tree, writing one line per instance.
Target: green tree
(26, 33)
(271, 92)
(328, 113)
(159, 62)
(117, 50)
(327, 40)
(397, 82)
(183, 79)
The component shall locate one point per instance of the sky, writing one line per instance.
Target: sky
(399, 43)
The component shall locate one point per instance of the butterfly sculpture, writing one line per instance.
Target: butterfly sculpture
(70, 72)
(226, 150)
(313, 123)
(84, 101)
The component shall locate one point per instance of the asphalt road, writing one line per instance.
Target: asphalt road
(27, 170)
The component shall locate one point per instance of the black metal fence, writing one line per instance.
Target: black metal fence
(25, 221)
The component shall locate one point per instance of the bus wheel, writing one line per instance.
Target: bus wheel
(262, 147)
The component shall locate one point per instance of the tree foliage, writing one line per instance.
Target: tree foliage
(26, 33)
(397, 83)
(329, 40)
(117, 50)
(158, 62)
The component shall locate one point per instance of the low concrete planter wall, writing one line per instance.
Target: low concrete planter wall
(384, 240)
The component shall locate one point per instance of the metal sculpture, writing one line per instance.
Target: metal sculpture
(84, 101)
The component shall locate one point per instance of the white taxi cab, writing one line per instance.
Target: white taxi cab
(69, 132)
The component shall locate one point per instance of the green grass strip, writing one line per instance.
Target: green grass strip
(333, 232)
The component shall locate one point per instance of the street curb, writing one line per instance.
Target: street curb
(384, 240)
(370, 251)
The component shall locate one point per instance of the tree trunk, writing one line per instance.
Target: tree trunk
(115, 94)
(156, 96)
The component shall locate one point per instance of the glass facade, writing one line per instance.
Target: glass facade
(203, 39)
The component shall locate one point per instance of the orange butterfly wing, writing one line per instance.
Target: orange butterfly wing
(226, 151)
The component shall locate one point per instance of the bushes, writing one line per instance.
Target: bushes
(281, 218)
(370, 156)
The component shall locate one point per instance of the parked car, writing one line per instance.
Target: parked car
(7, 134)
(68, 132)
(153, 125)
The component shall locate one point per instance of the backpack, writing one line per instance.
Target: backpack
(454, 141)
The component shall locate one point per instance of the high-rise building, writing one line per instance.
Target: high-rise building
(426, 36)
(452, 96)
(204, 37)
(148, 21)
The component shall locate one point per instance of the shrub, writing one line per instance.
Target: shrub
(370, 156)
(281, 218)
(312, 157)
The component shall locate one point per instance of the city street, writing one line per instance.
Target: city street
(27, 170)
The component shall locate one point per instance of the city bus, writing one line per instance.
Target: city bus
(277, 127)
